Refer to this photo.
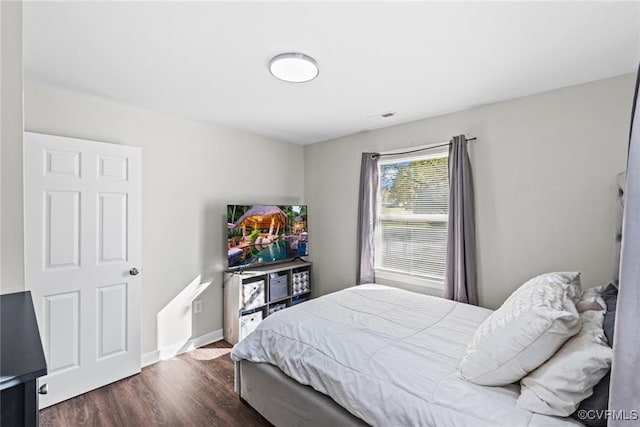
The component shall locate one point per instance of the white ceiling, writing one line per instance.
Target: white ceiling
(208, 61)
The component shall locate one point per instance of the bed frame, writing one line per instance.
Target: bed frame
(285, 402)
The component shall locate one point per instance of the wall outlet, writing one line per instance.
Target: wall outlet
(197, 306)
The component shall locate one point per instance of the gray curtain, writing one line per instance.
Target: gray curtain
(460, 276)
(367, 217)
(625, 372)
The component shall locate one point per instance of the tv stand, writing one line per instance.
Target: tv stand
(254, 293)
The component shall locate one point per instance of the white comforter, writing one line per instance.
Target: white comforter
(390, 357)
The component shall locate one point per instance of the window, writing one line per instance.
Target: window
(413, 210)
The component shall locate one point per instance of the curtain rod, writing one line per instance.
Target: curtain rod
(419, 149)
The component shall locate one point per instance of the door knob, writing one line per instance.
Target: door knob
(134, 271)
(44, 389)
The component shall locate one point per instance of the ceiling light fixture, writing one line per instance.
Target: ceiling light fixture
(294, 67)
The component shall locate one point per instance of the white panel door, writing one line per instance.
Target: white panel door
(82, 248)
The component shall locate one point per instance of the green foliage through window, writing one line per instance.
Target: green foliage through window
(418, 186)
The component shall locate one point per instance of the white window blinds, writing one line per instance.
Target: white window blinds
(413, 209)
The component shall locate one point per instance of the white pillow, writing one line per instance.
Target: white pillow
(591, 299)
(525, 331)
(559, 385)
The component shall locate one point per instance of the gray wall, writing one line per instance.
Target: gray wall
(544, 168)
(190, 171)
(11, 230)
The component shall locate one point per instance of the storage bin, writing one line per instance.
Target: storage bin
(249, 322)
(300, 282)
(298, 300)
(278, 287)
(276, 307)
(253, 294)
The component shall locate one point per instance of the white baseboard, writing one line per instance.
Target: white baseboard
(175, 349)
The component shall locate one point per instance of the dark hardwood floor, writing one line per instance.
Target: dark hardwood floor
(193, 389)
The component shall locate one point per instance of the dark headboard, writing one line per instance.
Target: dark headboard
(621, 180)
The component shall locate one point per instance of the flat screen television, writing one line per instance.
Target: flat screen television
(263, 234)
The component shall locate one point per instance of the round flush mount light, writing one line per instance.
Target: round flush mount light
(294, 67)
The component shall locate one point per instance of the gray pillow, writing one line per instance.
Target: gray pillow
(598, 402)
(610, 297)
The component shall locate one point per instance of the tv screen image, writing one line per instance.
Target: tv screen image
(262, 234)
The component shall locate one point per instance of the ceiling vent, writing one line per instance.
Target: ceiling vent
(386, 115)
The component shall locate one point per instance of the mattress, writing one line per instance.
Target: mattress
(389, 357)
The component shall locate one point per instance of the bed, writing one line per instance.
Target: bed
(374, 355)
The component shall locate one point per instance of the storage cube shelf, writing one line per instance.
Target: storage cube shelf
(252, 295)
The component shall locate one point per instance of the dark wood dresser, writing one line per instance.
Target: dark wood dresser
(22, 360)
